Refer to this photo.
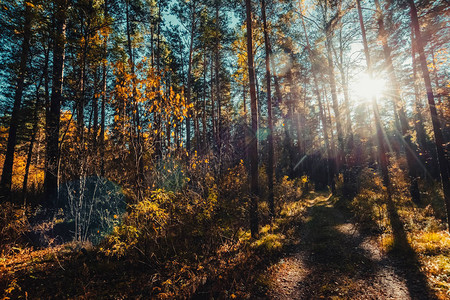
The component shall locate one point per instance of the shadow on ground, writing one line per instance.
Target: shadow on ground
(339, 262)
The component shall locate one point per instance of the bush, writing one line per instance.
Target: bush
(368, 204)
(93, 205)
(192, 221)
(288, 190)
(13, 225)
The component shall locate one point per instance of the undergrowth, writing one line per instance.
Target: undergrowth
(424, 223)
(178, 242)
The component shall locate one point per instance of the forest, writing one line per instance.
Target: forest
(224, 149)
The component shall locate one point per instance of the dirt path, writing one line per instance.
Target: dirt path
(334, 261)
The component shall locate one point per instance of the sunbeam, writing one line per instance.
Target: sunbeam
(367, 88)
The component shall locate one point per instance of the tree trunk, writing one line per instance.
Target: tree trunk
(381, 149)
(270, 160)
(319, 100)
(95, 113)
(189, 79)
(438, 138)
(6, 180)
(398, 102)
(437, 85)
(204, 104)
(81, 97)
(253, 147)
(35, 125)
(217, 83)
(104, 87)
(139, 153)
(334, 99)
(418, 118)
(157, 114)
(53, 123)
(213, 110)
(30, 147)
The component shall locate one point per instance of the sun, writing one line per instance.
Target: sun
(366, 87)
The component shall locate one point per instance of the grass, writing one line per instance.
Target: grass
(426, 234)
(74, 270)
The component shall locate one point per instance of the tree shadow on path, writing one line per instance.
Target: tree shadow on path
(407, 261)
(341, 263)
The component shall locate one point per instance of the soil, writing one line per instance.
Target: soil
(334, 260)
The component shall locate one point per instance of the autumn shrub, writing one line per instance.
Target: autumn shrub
(187, 222)
(234, 197)
(289, 190)
(368, 204)
(433, 197)
(13, 225)
(400, 182)
(144, 224)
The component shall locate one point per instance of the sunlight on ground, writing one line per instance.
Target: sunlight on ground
(432, 247)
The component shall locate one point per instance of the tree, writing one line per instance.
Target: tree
(319, 100)
(53, 120)
(328, 26)
(5, 183)
(438, 137)
(253, 146)
(399, 103)
(270, 161)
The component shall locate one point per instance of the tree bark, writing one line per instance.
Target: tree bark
(398, 102)
(334, 99)
(217, 83)
(204, 145)
(30, 147)
(6, 180)
(139, 153)
(253, 147)
(438, 137)
(189, 79)
(319, 100)
(270, 160)
(35, 124)
(380, 136)
(53, 122)
(104, 88)
(419, 122)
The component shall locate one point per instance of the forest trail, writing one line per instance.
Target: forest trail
(334, 261)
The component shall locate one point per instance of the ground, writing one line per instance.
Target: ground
(333, 260)
(314, 250)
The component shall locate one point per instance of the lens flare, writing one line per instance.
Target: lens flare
(367, 88)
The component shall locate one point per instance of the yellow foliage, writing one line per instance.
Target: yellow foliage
(431, 242)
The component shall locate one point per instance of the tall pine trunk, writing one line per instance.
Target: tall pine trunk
(189, 79)
(253, 146)
(319, 100)
(35, 122)
(218, 83)
(438, 137)
(380, 136)
(103, 105)
(30, 147)
(205, 143)
(270, 160)
(53, 122)
(334, 99)
(137, 144)
(398, 102)
(418, 118)
(6, 180)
